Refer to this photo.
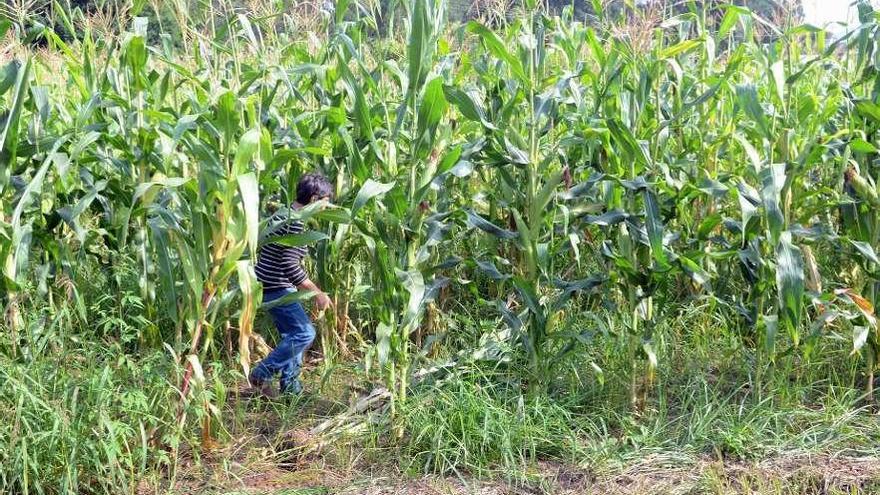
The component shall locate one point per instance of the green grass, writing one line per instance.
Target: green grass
(469, 427)
(78, 420)
(702, 407)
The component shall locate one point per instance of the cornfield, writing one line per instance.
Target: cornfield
(563, 179)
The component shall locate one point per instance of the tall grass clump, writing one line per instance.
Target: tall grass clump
(87, 421)
(475, 426)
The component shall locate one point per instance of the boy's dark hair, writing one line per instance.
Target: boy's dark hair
(311, 185)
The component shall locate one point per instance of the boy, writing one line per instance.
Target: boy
(280, 271)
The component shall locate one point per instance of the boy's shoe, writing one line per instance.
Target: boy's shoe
(264, 387)
(267, 390)
(294, 387)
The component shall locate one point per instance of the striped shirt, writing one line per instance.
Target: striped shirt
(280, 266)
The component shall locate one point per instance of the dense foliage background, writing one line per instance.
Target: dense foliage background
(162, 14)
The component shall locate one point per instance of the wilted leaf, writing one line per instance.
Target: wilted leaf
(864, 306)
(649, 352)
(247, 284)
(694, 271)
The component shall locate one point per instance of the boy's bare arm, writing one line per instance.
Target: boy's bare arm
(322, 300)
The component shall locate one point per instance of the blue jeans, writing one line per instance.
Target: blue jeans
(297, 334)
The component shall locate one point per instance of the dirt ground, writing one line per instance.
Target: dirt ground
(794, 474)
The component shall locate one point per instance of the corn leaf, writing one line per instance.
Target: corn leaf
(250, 203)
(747, 96)
(9, 134)
(654, 226)
(467, 105)
(498, 48)
(414, 284)
(476, 221)
(609, 218)
(248, 147)
(862, 146)
(773, 180)
(679, 48)
(295, 240)
(419, 46)
(866, 250)
(368, 191)
(790, 283)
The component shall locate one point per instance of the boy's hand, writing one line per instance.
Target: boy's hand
(322, 301)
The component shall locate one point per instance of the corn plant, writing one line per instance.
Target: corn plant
(408, 224)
